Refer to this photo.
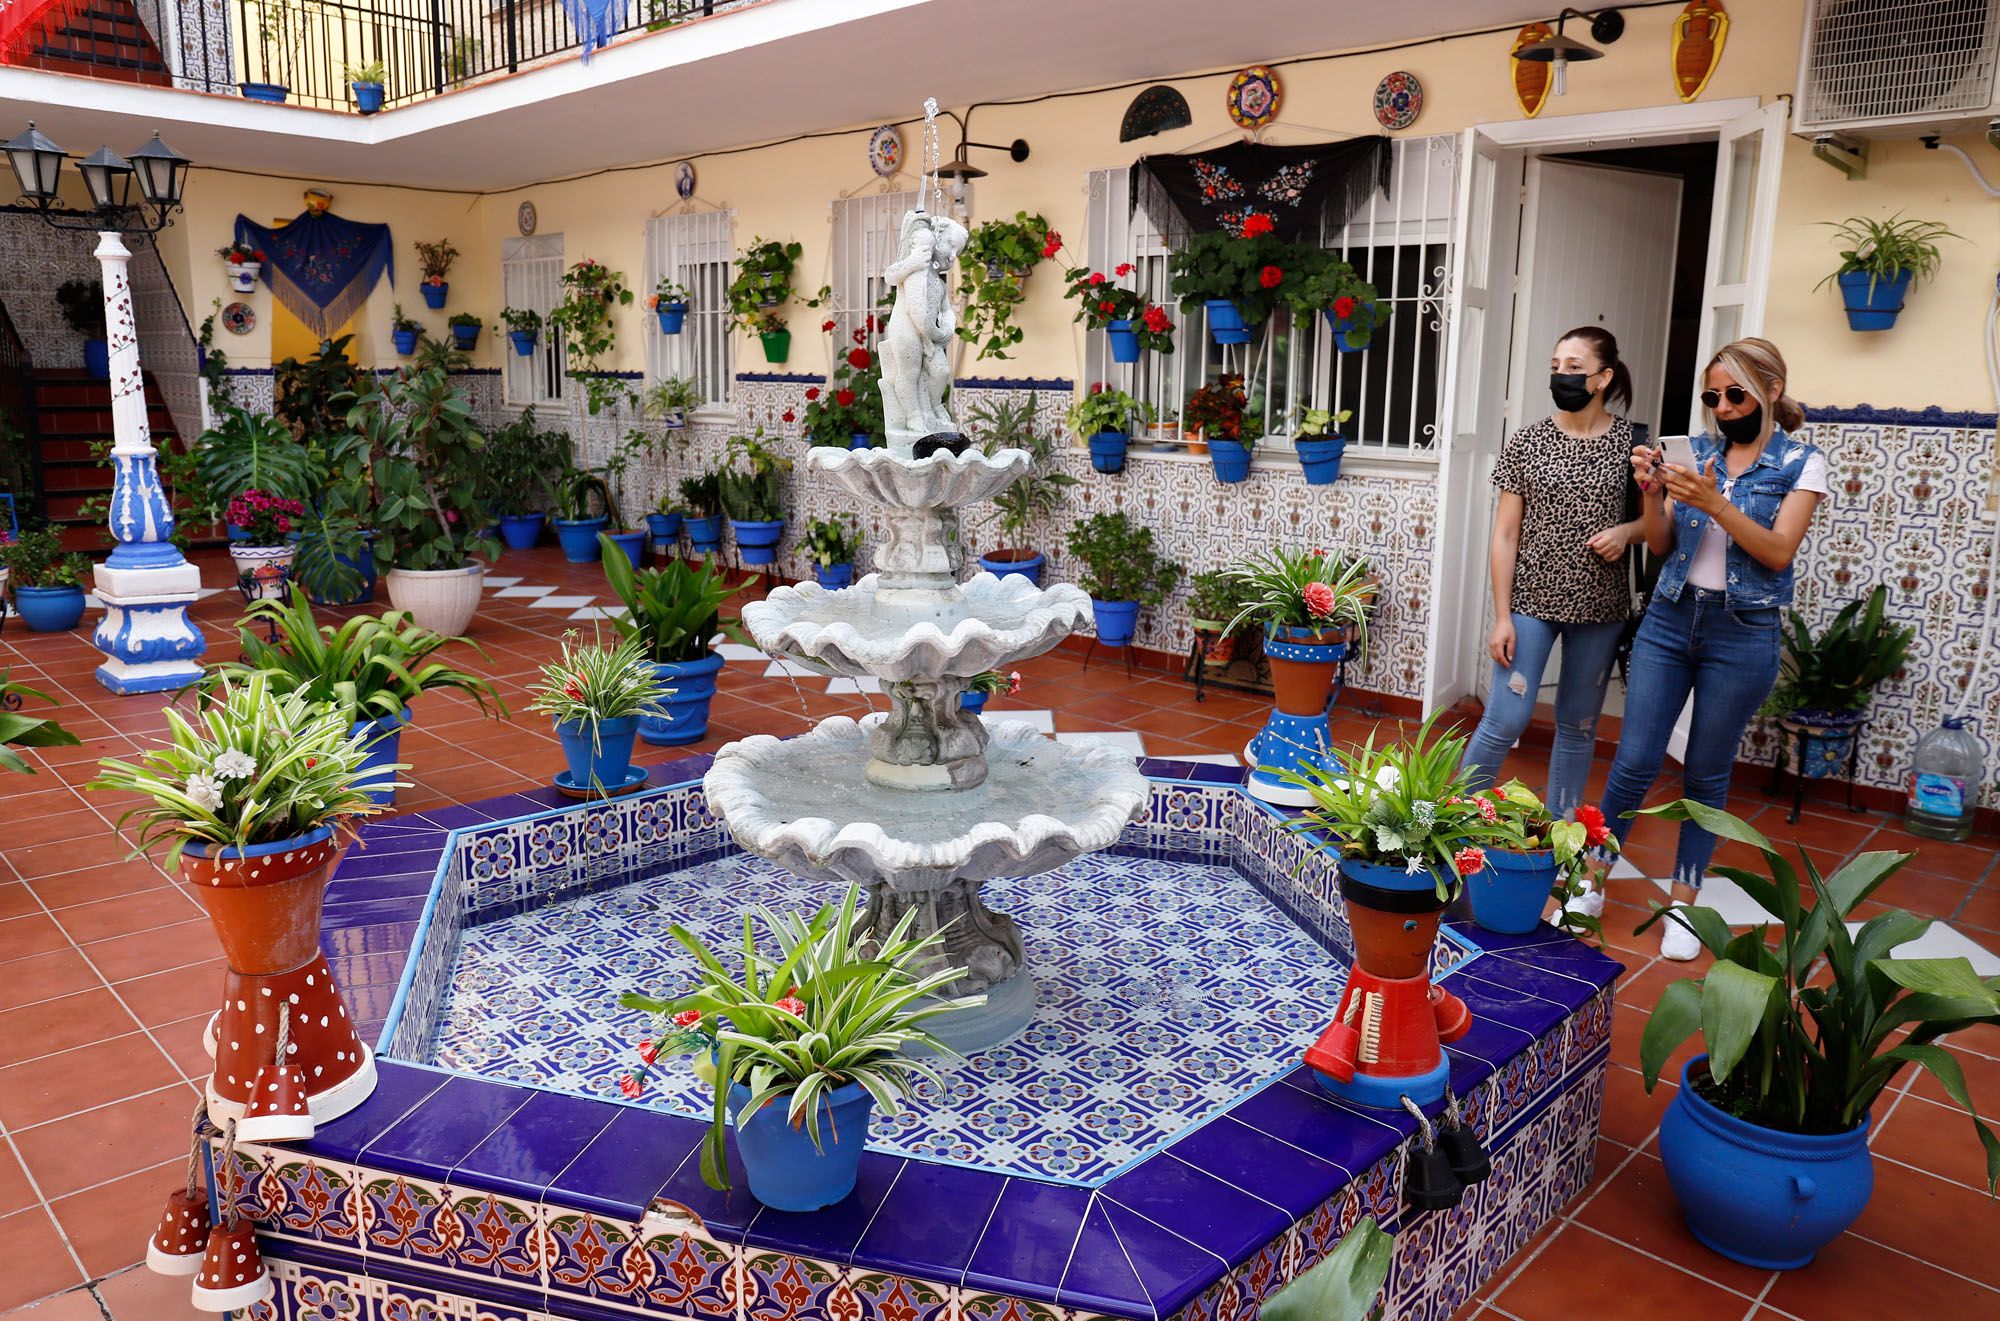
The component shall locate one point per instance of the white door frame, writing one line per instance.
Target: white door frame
(1460, 551)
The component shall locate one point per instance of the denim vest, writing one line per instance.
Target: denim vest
(1758, 493)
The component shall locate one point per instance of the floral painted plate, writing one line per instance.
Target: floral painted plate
(239, 319)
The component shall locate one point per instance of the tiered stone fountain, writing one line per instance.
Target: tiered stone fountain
(923, 803)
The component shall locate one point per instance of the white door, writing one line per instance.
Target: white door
(1480, 316)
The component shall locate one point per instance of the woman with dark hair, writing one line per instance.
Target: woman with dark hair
(1727, 532)
(1558, 563)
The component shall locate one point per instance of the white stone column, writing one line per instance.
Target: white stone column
(148, 641)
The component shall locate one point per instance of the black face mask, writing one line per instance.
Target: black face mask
(1741, 430)
(1569, 391)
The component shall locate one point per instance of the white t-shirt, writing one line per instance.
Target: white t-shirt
(1710, 569)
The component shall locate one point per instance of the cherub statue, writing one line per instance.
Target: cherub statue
(915, 347)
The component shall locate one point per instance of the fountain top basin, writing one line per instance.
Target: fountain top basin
(937, 481)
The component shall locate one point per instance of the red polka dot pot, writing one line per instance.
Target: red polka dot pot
(280, 1107)
(180, 1243)
(232, 1272)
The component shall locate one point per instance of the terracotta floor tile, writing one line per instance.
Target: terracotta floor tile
(168, 997)
(55, 1086)
(1581, 1274)
(1636, 1206)
(183, 1043)
(45, 976)
(1971, 861)
(33, 797)
(16, 899)
(89, 884)
(68, 855)
(15, 1190)
(25, 828)
(1922, 894)
(31, 934)
(61, 1024)
(142, 953)
(107, 1226)
(1631, 1114)
(1981, 910)
(68, 1155)
(72, 1305)
(1931, 1219)
(140, 1295)
(117, 917)
(1845, 1283)
(37, 1262)
(1938, 1138)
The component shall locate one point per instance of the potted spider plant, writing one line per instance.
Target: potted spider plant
(1551, 858)
(436, 260)
(1312, 608)
(366, 82)
(1122, 572)
(672, 399)
(984, 685)
(675, 614)
(1806, 1022)
(597, 695)
(831, 544)
(19, 731)
(802, 1046)
(1880, 261)
(1008, 423)
(46, 581)
(1105, 417)
(669, 302)
(1216, 412)
(1825, 681)
(1320, 444)
(524, 328)
(754, 499)
(701, 498)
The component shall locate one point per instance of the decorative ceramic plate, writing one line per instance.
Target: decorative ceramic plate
(1254, 97)
(525, 219)
(684, 179)
(1399, 99)
(238, 319)
(885, 150)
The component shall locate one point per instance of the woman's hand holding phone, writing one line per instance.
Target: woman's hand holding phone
(1645, 466)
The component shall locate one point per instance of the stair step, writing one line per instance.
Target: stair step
(89, 538)
(67, 477)
(142, 69)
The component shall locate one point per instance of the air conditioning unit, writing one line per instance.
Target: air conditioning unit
(1898, 68)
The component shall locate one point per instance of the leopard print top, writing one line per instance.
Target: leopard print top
(1571, 490)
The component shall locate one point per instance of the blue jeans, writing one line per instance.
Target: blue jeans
(1729, 660)
(1588, 650)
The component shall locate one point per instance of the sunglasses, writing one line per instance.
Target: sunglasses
(1737, 394)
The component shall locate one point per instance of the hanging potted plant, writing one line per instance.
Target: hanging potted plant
(1320, 445)
(597, 695)
(1825, 682)
(46, 582)
(405, 331)
(831, 545)
(673, 613)
(82, 304)
(243, 263)
(1105, 417)
(1881, 260)
(1350, 304)
(669, 302)
(464, 331)
(524, 328)
(985, 685)
(800, 1073)
(770, 330)
(1550, 858)
(701, 498)
(672, 399)
(591, 292)
(1122, 572)
(1239, 277)
(436, 261)
(999, 256)
(1008, 423)
(1766, 1140)
(1216, 413)
(763, 278)
(366, 82)
(263, 555)
(847, 412)
(754, 500)
(1128, 321)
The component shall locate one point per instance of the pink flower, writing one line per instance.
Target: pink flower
(687, 1018)
(1319, 600)
(630, 1086)
(792, 1005)
(1013, 682)
(1468, 861)
(451, 515)
(648, 1051)
(1487, 812)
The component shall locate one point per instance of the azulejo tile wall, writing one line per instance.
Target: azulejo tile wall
(166, 345)
(37, 259)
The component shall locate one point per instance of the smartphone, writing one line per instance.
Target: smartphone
(1679, 451)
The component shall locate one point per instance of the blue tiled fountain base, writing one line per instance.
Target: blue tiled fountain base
(453, 1195)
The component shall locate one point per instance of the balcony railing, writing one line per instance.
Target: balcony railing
(306, 52)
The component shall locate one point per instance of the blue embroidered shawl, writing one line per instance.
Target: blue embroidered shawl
(320, 266)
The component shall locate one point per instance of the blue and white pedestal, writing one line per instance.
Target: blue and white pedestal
(1287, 744)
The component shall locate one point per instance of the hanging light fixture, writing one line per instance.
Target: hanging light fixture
(159, 171)
(163, 174)
(959, 167)
(37, 165)
(108, 177)
(1606, 26)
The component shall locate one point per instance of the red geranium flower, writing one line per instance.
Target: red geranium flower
(1468, 861)
(1256, 224)
(827, 325)
(1157, 320)
(1124, 268)
(1271, 277)
(1591, 818)
(859, 359)
(871, 322)
(812, 393)
(687, 1018)
(1343, 307)
(860, 335)
(1097, 277)
(630, 1086)
(1054, 244)
(843, 397)
(1107, 308)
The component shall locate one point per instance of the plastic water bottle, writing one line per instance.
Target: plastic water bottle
(1945, 776)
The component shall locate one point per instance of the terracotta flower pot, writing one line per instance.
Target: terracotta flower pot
(1393, 917)
(265, 904)
(1303, 665)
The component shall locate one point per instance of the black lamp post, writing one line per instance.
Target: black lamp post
(158, 170)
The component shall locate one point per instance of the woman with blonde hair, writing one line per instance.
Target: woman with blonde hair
(1727, 532)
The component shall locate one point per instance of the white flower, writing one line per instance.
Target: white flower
(235, 765)
(1388, 777)
(1412, 866)
(206, 791)
(1424, 814)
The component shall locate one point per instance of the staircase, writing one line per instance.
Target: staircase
(73, 422)
(96, 38)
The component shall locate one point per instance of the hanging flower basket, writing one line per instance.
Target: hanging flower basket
(777, 345)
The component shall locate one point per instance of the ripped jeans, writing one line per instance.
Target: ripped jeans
(1588, 650)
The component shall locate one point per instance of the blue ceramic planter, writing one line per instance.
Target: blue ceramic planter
(1509, 893)
(272, 93)
(523, 341)
(1320, 459)
(672, 317)
(387, 734)
(1826, 741)
(520, 531)
(833, 577)
(861, 440)
(787, 1173)
(1872, 309)
(1766, 1198)
(1344, 326)
(665, 529)
(406, 341)
(466, 337)
(686, 720)
(1225, 322)
(1231, 459)
(1116, 621)
(1124, 341)
(633, 544)
(434, 295)
(579, 538)
(1390, 876)
(757, 540)
(973, 702)
(49, 609)
(1029, 568)
(97, 359)
(367, 97)
(705, 534)
(1107, 451)
(604, 764)
(363, 564)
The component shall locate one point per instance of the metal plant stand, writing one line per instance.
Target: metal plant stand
(1795, 734)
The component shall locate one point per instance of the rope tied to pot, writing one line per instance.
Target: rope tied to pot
(228, 1180)
(195, 1144)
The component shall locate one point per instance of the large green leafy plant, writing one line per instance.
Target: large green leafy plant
(1346, 1285)
(1836, 671)
(525, 460)
(1806, 1030)
(313, 395)
(1008, 423)
(19, 731)
(38, 560)
(1120, 562)
(591, 293)
(999, 255)
(432, 479)
(674, 612)
(834, 1008)
(757, 493)
(247, 451)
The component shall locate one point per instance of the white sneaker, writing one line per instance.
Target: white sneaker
(1677, 942)
(1590, 904)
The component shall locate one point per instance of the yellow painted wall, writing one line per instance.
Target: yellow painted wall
(1933, 357)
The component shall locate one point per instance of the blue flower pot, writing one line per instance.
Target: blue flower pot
(1826, 741)
(466, 337)
(1116, 621)
(406, 341)
(861, 440)
(1225, 322)
(434, 295)
(1107, 451)
(520, 531)
(1343, 327)
(608, 761)
(272, 93)
(1320, 459)
(1029, 568)
(757, 541)
(49, 609)
(686, 720)
(672, 317)
(973, 702)
(97, 359)
(367, 97)
(833, 577)
(579, 538)
(1509, 893)
(387, 736)
(1124, 341)
(633, 544)
(788, 1173)
(1231, 459)
(705, 534)
(1876, 308)
(363, 564)
(523, 341)
(1766, 1198)
(235, 532)
(665, 529)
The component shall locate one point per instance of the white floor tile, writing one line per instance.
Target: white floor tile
(1124, 740)
(591, 612)
(1946, 942)
(1623, 870)
(1042, 720)
(560, 602)
(491, 581)
(1725, 897)
(521, 591)
(736, 651)
(792, 669)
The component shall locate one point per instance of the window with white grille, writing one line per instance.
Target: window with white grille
(865, 231)
(531, 271)
(694, 251)
(1400, 243)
